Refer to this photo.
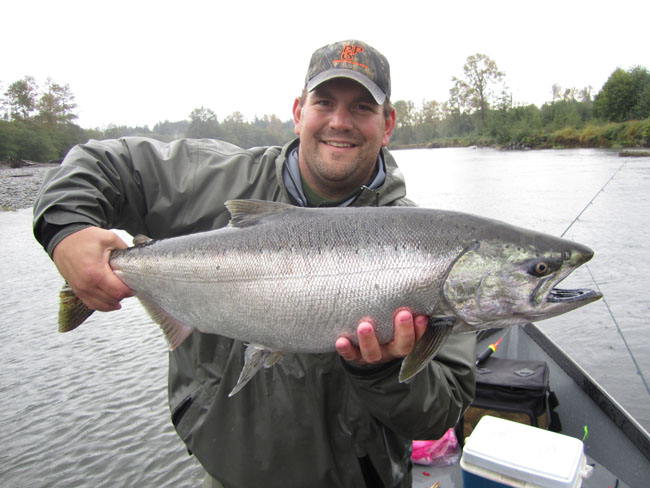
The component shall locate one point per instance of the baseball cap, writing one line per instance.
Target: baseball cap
(351, 59)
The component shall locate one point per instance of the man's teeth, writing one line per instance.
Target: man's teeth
(340, 144)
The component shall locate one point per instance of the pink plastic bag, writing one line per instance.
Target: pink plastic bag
(443, 452)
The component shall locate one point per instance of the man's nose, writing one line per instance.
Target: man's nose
(341, 118)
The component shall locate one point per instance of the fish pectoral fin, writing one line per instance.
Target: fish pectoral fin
(72, 311)
(245, 213)
(175, 332)
(425, 349)
(255, 358)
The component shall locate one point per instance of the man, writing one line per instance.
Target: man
(319, 420)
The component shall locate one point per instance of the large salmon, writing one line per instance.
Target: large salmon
(289, 279)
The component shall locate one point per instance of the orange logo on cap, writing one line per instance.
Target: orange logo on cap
(348, 54)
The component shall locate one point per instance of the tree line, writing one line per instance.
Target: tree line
(480, 111)
(39, 123)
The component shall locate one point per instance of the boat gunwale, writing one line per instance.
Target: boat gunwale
(632, 429)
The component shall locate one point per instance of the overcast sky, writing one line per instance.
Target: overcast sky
(140, 62)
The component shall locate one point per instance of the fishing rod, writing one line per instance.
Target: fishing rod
(593, 198)
(593, 278)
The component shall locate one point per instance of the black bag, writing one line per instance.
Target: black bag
(512, 389)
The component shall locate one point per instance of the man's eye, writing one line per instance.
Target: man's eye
(367, 108)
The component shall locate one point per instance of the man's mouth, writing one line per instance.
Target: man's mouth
(340, 144)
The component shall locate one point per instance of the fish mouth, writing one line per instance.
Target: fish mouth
(558, 295)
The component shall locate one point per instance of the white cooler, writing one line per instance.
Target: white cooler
(504, 453)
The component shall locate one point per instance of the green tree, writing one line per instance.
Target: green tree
(622, 95)
(270, 130)
(565, 113)
(203, 124)
(22, 140)
(404, 121)
(585, 96)
(21, 98)
(56, 105)
(641, 81)
(171, 130)
(428, 121)
(235, 130)
(473, 91)
(431, 112)
(556, 92)
(455, 121)
(642, 108)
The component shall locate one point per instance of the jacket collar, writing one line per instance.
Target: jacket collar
(386, 187)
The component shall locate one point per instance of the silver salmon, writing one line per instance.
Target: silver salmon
(285, 279)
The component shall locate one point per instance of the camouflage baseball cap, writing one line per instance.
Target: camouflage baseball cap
(351, 59)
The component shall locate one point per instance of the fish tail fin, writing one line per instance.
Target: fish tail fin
(72, 311)
(426, 348)
(175, 332)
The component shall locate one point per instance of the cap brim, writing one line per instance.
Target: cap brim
(330, 74)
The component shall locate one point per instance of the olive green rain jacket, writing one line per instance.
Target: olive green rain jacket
(310, 420)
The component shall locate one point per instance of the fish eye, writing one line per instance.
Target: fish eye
(542, 267)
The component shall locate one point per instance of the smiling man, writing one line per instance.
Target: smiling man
(318, 420)
(343, 118)
(342, 129)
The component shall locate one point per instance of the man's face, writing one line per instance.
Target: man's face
(342, 130)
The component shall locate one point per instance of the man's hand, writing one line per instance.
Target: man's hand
(82, 259)
(408, 330)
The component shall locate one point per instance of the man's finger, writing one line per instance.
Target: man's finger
(368, 343)
(347, 350)
(421, 323)
(404, 338)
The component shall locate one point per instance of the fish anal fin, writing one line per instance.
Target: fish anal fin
(255, 358)
(425, 349)
(72, 311)
(245, 213)
(175, 332)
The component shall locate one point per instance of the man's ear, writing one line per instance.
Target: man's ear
(297, 112)
(389, 127)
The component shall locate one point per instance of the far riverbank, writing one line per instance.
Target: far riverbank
(634, 134)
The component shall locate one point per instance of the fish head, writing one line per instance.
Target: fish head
(498, 282)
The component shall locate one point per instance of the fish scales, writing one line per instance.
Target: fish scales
(299, 280)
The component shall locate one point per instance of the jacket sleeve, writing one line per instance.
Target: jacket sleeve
(432, 402)
(96, 185)
(142, 186)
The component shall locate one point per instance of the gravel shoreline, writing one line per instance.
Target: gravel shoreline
(19, 186)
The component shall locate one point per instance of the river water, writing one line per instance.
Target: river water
(89, 408)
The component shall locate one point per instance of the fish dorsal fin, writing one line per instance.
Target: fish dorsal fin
(426, 348)
(245, 213)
